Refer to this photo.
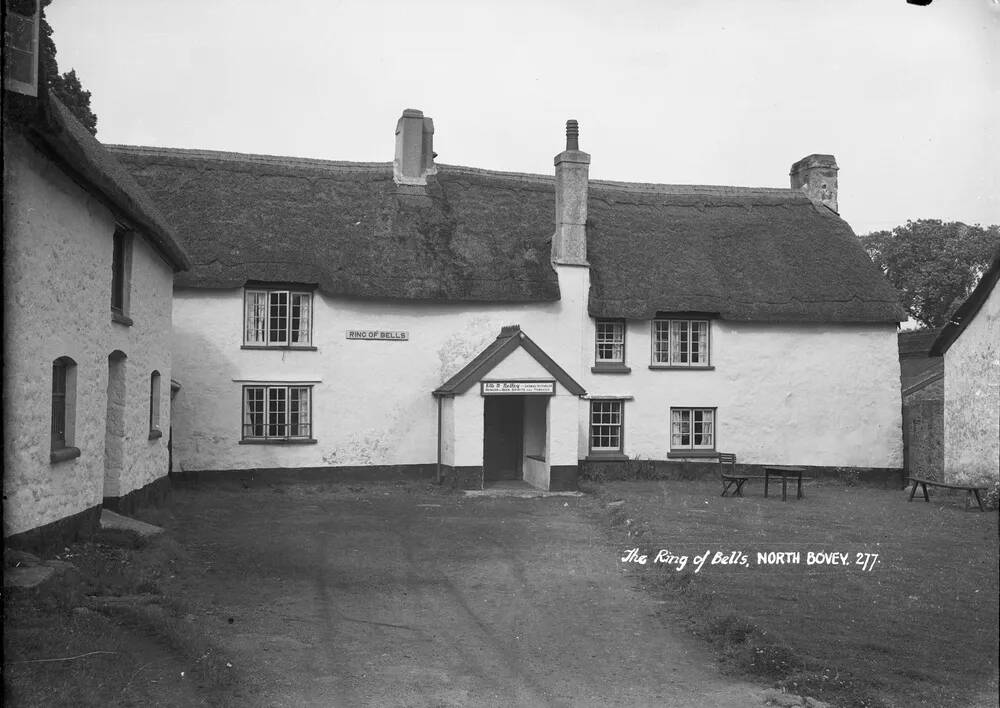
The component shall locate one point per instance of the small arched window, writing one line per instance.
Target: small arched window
(63, 410)
(154, 406)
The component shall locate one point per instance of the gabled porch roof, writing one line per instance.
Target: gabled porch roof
(510, 338)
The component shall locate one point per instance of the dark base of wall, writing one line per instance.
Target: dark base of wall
(563, 478)
(288, 475)
(468, 477)
(600, 471)
(153, 494)
(55, 536)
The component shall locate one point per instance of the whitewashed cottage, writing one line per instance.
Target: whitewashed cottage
(413, 318)
(88, 276)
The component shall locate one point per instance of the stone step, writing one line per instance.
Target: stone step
(51, 582)
(124, 531)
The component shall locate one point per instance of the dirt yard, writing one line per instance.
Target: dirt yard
(404, 595)
(916, 627)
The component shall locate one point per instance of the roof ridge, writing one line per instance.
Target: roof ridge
(645, 187)
(291, 161)
(227, 156)
(710, 189)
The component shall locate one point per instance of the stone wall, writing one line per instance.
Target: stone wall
(923, 430)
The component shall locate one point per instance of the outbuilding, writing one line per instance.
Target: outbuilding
(970, 345)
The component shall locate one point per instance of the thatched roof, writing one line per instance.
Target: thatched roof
(348, 228)
(745, 254)
(478, 235)
(50, 126)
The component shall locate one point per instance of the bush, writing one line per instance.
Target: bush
(992, 499)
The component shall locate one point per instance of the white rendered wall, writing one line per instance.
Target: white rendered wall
(535, 442)
(448, 431)
(57, 294)
(373, 403)
(802, 394)
(469, 429)
(785, 394)
(972, 398)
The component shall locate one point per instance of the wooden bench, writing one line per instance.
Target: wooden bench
(730, 477)
(970, 491)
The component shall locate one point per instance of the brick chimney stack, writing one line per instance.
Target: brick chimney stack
(414, 148)
(816, 175)
(569, 244)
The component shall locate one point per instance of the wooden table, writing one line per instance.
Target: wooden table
(784, 473)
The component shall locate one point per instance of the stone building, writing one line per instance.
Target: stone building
(88, 274)
(414, 317)
(922, 383)
(970, 345)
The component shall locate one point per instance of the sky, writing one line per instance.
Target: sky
(727, 92)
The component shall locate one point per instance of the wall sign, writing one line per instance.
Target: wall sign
(378, 335)
(518, 388)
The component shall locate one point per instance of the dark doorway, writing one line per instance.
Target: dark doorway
(503, 428)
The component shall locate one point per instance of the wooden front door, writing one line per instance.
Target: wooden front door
(503, 428)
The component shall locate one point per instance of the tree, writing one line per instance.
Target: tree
(66, 87)
(933, 264)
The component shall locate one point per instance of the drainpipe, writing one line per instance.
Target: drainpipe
(439, 442)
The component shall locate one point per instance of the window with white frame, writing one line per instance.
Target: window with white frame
(276, 413)
(277, 318)
(680, 342)
(610, 342)
(692, 429)
(606, 426)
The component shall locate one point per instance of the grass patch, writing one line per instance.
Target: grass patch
(917, 629)
(113, 635)
(107, 569)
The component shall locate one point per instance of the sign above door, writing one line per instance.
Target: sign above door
(517, 388)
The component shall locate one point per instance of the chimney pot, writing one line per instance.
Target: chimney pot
(572, 135)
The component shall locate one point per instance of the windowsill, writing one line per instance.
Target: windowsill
(610, 368)
(121, 318)
(682, 368)
(64, 453)
(279, 441)
(539, 458)
(605, 456)
(279, 347)
(677, 454)
(155, 433)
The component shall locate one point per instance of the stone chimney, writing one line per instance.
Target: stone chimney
(569, 244)
(816, 175)
(414, 148)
